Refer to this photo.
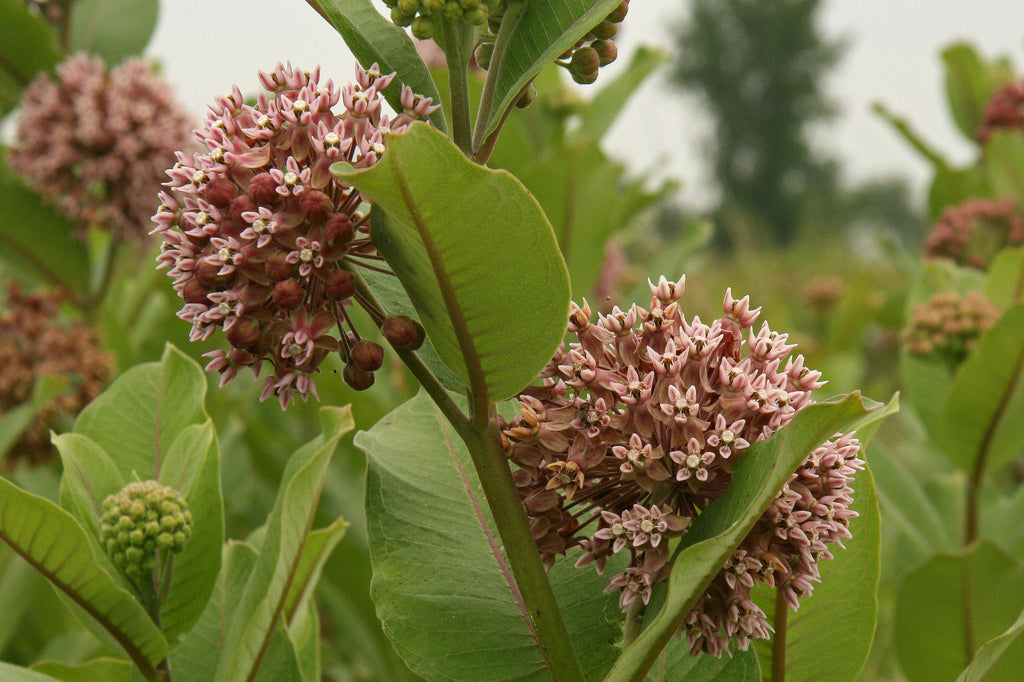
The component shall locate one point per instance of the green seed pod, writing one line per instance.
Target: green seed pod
(423, 27)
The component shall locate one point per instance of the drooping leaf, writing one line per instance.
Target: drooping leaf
(757, 478)
(315, 553)
(982, 420)
(192, 467)
(967, 87)
(112, 29)
(260, 607)
(55, 544)
(1004, 164)
(441, 582)
(138, 417)
(960, 601)
(903, 127)
(28, 47)
(105, 669)
(476, 255)
(676, 663)
(543, 31)
(35, 240)
(991, 652)
(373, 38)
(830, 635)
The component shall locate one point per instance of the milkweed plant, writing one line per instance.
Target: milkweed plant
(567, 489)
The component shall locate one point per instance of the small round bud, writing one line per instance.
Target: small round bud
(475, 16)
(288, 294)
(133, 521)
(368, 356)
(619, 13)
(340, 284)
(403, 333)
(338, 230)
(357, 378)
(605, 30)
(433, 6)
(423, 27)
(315, 206)
(584, 65)
(483, 54)
(263, 189)
(527, 97)
(219, 192)
(606, 50)
(452, 10)
(278, 267)
(400, 18)
(409, 6)
(245, 332)
(195, 291)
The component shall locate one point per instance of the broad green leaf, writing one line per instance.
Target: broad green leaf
(982, 424)
(112, 29)
(1001, 517)
(476, 255)
(198, 656)
(261, 605)
(829, 637)
(757, 478)
(953, 186)
(90, 475)
(279, 663)
(17, 419)
(138, 417)
(1005, 284)
(373, 38)
(14, 673)
(1004, 164)
(676, 663)
(19, 594)
(192, 467)
(441, 582)
(28, 47)
(967, 87)
(56, 545)
(542, 32)
(315, 553)
(953, 604)
(104, 669)
(35, 240)
(609, 101)
(991, 652)
(304, 632)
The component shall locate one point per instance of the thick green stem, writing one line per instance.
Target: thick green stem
(513, 9)
(634, 619)
(458, 86)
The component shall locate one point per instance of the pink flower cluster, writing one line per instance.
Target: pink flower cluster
(96, 144)
(972, 233)
(635, 431)
(947, 326)
(256, 229)
(1004, 111)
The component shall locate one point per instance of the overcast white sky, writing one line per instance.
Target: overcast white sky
(893, 57)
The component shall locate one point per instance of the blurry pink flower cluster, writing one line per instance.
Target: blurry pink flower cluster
(635, 431)
(973, 232)
(256, 228)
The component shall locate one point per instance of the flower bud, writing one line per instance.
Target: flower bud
(584, 65)
(195, 292)
(526, 98)
(278, 267)
(263, 189)
(368, 356)
(403, 333)
(605, 30)
(483, 54)
(357, 378)
(423, 27)
(219, 192)
(400, 18)
(606, 50)
(340, 284)
(245, 332)
(338, 230)
(288, 294)
(619, 13)
(315, 206)
(243, 203)
(140, 519)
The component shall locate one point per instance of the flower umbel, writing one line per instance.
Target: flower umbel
(96, 143)
(636, 430)
(256, 229)
(947, 325)
(974, 232)
(141, 522)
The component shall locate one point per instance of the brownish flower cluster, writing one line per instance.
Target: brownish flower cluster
(34, 342)
(256, 228)
(635, 431)
(947, 325)
(1004, 111)
(96, 144)
(974, 232)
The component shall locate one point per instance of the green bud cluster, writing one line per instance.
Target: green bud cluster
(139, 521)
(422, 15)
(596, 49)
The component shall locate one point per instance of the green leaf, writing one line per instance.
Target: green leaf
(192, 467)
(441, 583)
(36, 240)
(112, 29)
(476, 255)
(953, 186)
(138, 417)
(28, 47)
(609, 101)
(543, 31)
(982, 424)
(373, 38)
(280, 663)
(1005, 284)
(90, 475)
(261, 605)
(904, 129)
(318, 548)
(198, 656)
(17, 419)
(105, 669)
(56, 545)
(676, 663)
(936, 636)
(304, 632)
(14, 673)
(1004, 164)
(829, 637)
(991, 652)
(757, 478)
(967, 87)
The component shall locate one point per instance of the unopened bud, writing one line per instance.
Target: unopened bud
(357, 378)
(403, 333)
(219, 192)
(278, 267)
(527, 97)
(584, 65)
(423, 27)
(368, 356)
(288, 294)
(605, 30)
(263, 189)
(245, 332)
(619, 13)
(340, 284)
(483, 54)
(606, 50)
(315, 206)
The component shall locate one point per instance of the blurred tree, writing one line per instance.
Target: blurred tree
(759, 65)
